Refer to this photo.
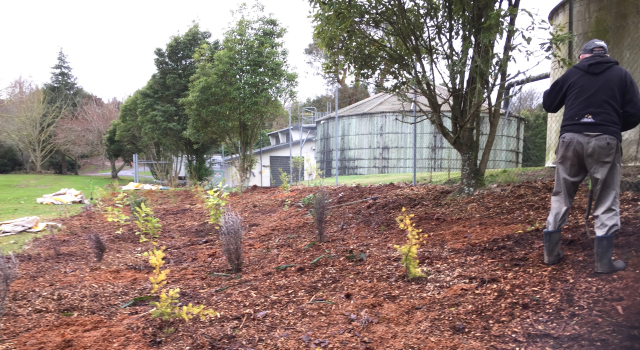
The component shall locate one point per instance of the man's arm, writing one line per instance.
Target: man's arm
(553, 99)
(631, 106)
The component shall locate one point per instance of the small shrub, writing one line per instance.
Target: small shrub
(114, 213)
(297, 168)
(314, 173)
(168, 306)
(149, 226)
(8, 273)
(308, 200)
(409, 251)
(285, 178)
(215, 200)
(97, 245)
(320, 212)
(156, 260)
(135, 202)
(231, 237)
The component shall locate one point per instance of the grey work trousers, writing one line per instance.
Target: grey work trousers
(577, 156)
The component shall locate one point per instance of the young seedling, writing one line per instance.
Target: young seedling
(409, 251)
(114, 213)
(168, 306)
(215, 200)
(148, 225)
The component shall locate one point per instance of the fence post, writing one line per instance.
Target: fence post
(135, 168)
(415, 134)
(337, 142)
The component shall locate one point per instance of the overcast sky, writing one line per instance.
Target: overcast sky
(110, 45)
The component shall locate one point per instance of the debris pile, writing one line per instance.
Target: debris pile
(64, 196)
(25, 224)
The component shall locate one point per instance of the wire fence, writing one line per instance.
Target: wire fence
(618, 24)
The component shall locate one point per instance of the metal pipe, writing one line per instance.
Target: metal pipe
(415, 134)
(337, 130)
(570, 44)
(527, 80)
(290, 145)
(260, 158)
(135, 168)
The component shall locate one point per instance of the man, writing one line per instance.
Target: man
(601, 100)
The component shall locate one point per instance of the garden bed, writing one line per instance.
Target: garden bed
(486, 285)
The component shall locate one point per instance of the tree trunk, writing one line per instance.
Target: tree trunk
(114, 172)
(470, 176)
(63, 163)
(75, 168)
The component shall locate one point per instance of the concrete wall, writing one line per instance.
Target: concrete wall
(617, 22)
(379, 144)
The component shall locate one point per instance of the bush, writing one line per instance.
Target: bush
(9, 159)
(231, 237)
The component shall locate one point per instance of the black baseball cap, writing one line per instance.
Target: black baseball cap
(596, 47)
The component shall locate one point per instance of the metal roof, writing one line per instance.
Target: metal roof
(389, 103)
(294, 143)
(305, 127)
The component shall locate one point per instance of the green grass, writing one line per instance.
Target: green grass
(499, 176)
(18, 199)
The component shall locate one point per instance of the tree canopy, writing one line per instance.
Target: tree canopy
(237, 95)
(454, 53)
(154, 112)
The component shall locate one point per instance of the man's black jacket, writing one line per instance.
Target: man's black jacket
(599, 96)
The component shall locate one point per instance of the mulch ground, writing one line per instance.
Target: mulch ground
(486, 285)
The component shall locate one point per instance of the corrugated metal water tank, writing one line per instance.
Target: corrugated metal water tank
(373, 140)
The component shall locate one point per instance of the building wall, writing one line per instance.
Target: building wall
(617, 22)
(262, 170)
(380, 143)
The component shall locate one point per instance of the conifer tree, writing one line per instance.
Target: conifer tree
(64, 92)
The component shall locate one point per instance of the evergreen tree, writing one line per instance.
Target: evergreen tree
(64, 92)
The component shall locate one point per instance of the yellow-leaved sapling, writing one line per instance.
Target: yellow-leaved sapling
(215, 200)
(114, 213)
(284, 178)
(409, 251)
(148, 225)
(167, 307)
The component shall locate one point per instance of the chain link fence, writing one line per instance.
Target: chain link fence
(617, 22)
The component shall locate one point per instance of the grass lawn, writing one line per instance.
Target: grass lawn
(18, 193)
(499, 176)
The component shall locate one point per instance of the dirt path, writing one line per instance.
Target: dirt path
(487, 287)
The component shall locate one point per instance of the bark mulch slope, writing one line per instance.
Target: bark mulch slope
(486, 288)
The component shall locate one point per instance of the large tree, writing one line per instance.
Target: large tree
(29, 120)
(161, 119)
(115, 148)
(235, 97)
(455, 53)
(63, 90)
(83, 134)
